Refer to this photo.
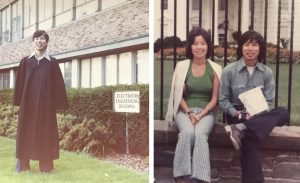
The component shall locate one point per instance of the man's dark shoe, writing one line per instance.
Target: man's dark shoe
(235, 135)
(22, 165)
(46, 166)
(181, 179)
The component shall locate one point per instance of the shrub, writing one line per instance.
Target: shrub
(97, 104)
(8, 120)
(6, 96)
(89, 136)
(157, 45)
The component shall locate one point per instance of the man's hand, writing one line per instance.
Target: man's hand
(239, 115)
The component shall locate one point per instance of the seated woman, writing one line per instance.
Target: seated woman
(193, 110)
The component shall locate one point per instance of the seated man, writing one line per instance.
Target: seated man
(245, 133)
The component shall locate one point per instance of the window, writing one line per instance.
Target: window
(126, 68)
(63, 6)
(142, 66)
(195, 5)
(16, 21)
(45, 14)
(68, 74)
(4, 79)
(110, 3)
(85, 73)
(5, 25)
(285, 5)
(29, 17)
(1, 80)
(45, 9)
(111, 63)
(85, 7)
(29, 12)
(63, 11)
(165, 4)
(96, 72)
(222, 5)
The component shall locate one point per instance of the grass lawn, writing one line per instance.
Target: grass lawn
(282, 95)
(70, 168)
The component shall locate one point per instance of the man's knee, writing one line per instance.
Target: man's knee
(284, 115)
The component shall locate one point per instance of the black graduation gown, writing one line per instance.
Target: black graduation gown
(39, 91)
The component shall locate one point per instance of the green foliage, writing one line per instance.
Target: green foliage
(97, 104)
(90, 124)
(8, 120)
(88, 136)
(6, 96)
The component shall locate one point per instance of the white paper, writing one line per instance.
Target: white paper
(254, 101)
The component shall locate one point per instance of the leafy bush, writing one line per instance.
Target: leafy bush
(88, 136)
(8, 120)
(6, 96)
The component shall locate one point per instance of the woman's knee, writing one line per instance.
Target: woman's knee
(187, 133)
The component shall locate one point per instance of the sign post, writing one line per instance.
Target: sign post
(128, 102)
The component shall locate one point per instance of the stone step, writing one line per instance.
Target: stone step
(165, 175)
(279, 155)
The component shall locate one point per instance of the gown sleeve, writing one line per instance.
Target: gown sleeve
(20, 82)
(60, 94)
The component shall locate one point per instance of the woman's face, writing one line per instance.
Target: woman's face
(199, 48)
(250, 52)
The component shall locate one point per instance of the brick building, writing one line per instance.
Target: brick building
(97, 42)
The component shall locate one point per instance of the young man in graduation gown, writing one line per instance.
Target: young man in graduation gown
(40, 92)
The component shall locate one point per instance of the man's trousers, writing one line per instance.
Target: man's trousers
(258, 128)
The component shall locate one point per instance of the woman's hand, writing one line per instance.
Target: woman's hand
(193, 117)
(200, 115)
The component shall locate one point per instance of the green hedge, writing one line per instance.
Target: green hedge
(90, 124)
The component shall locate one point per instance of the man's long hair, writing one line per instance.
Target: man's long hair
(252, 36)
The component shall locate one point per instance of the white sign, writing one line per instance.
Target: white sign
(126, 101)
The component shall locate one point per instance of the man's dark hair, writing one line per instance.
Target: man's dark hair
(39, 33)
(198, 31)
(252, 36)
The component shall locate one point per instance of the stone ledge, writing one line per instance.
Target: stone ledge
(280, 155)
(281, 138)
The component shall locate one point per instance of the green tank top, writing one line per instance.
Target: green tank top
(200, 88)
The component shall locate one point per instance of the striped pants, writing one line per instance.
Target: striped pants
(192, 151)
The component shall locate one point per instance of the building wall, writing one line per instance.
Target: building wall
(97, 48)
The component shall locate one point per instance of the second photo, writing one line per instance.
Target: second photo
(225, 85)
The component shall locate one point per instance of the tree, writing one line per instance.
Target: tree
(169, 42)
(157, 45)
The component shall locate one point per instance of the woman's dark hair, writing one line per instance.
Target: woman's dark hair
(252, 36)
(39, 33)
(198, 31)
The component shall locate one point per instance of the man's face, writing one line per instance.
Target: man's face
(40, 43)
(250, 52)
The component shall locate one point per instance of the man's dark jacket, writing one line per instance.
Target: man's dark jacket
(40, 92)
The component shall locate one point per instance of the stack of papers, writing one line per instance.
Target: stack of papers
(254, 101)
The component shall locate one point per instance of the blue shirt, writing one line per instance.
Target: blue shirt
(236, 80)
